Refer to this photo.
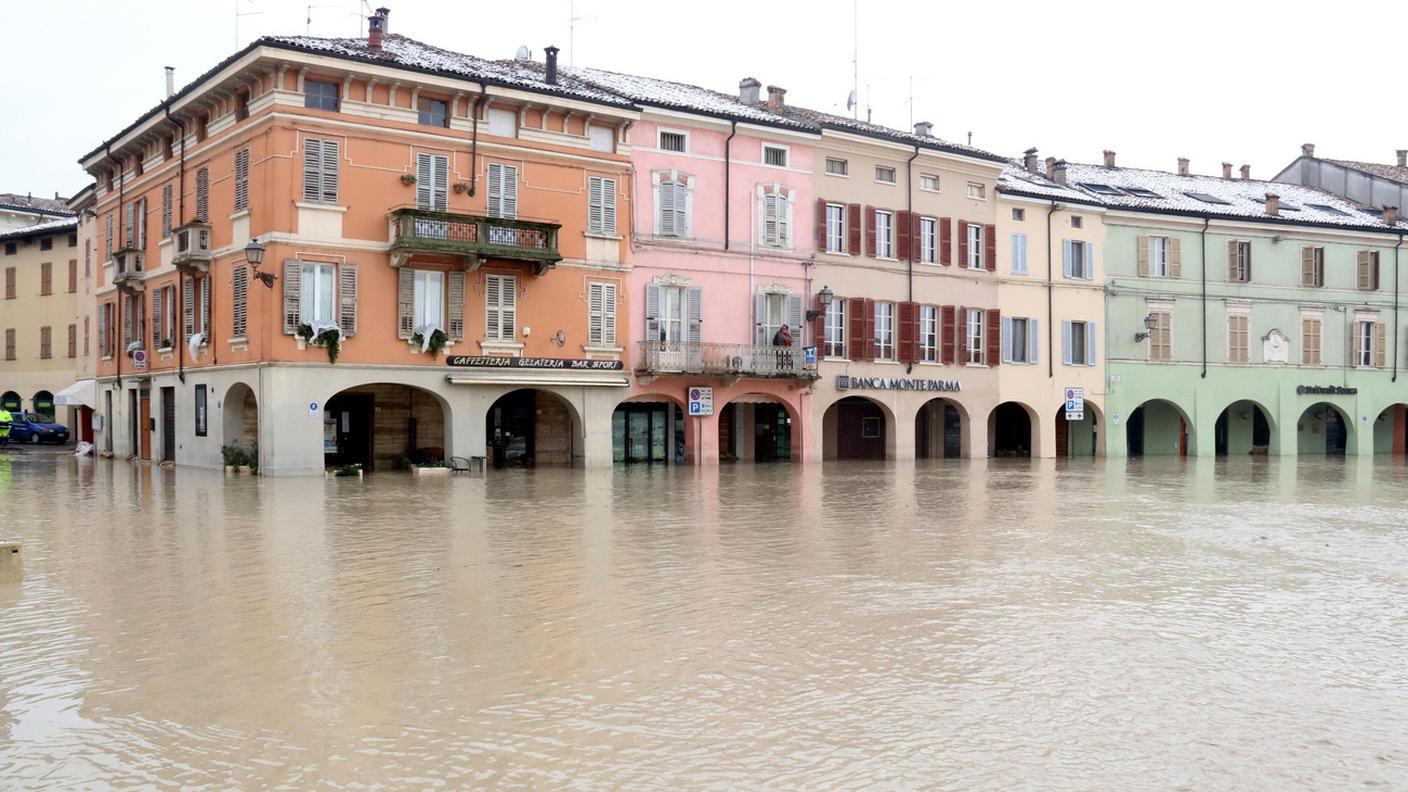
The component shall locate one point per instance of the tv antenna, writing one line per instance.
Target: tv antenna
(853, 103)
(308, 20)
(572, 20)
(238, 14)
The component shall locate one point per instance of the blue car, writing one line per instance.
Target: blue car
(35, 428)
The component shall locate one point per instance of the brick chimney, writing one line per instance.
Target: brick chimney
(376, 28)
(1059, 175)
(1227, 170)
(1390, 215)
(1029, 161)
(551, 76)
(1051, 168)
(748, 90)
(1307, 149)
(1182, 166)
(385, 19)
(775, 97)
(1273, 204)
(1109, 158)
(1403, 158)
(1246, 172)
(923, 129)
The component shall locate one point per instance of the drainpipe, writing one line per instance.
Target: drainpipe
(117, 304)
(474, 137)
(909, 218)
(180, 219)
(1050, 299)
(1204, 255)
(1396, 248)
(728, 141)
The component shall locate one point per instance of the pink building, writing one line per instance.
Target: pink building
(720, 283)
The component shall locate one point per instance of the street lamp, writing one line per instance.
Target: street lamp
(823, 298)
(1150, 322)
(254, 254)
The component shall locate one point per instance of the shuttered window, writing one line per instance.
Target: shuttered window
(429, 299)
(241, 180)
(929, 333)
(973, 336)
(9, 283)
(776, 219)
(105, 330)
(239, 299)
(835, 228)
(1309, 341)
(673, 209)
(503, 191)
(10, 344)
(316, 294)
(1018, 339)
(601, 312)
(188, 307)
(1077, 343)
(166, 201)
(1019, 254)
(320, 170)
(205, 307)
(1239, 261)
(107, 241)
(1161, 336)
(160, 308)
(46, 279)
(601, 205)
(1077, 259)
(884, 234)
(928, 240)
(46, 342)
(975, 247)
(203, 195)
(1312, 267)
(1369, 343)
(836, 328)
(432, 182)
(500, 307)
(884, 331)
(1367, 270)
(73, 340)
(1238, 344)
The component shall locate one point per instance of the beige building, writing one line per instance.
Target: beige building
(18, 211)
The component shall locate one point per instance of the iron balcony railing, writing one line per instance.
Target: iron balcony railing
(723, 360)
(420, 230)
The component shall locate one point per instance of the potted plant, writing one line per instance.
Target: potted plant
(329, 337)
(346, 471)
(430, 469)
(236, 458)
(434, 345)
(408, 179)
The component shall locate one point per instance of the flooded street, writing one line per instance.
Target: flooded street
(986, 625)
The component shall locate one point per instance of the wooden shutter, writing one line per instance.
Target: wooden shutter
(694, 299)
(454, 313)
(312, 169)
(990, 248)
(347, 299)
(856, 339)
(870, 231)
(908, 332)
(963, 243)
(166, 211)
(903, 236)
(869, 317)
(425, 179)
(293, 290)
(329, 169)
(73, 341)
(993, 354)
(1067, 255)
(760, 316)
(1380, 343)
(608, 314)
(241, 179)
(961, 340)
(1006, 339)
(72, 276)
(1089, 343)
(821, 224)
(945, 241)
(1066, 341)
(1089, 250)
(1232, 261)
(1143, 244)
(493, 319)
(594, 314)
(608, 207)
(594, 218)
(1175, 258)
(103, 329)
(853, 229)
(652, 312)
(205, 306)
(157, 325)
(792, 310)
(128, 213)
(405, 302)
(949, 326)
(1365, 282)
(1033, 341)
(819, 327)
(203, 195)
(680, 201)
(239, 314)
(188, 308)
(1307, 266)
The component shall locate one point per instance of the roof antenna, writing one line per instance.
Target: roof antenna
(911, 101)
(572, 20)
(970, 138)
(854, 101)
(238, 14)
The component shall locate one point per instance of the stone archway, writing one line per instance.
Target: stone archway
(939, 429)
(1244, 428)
(858, 427)
(1076, 439)
(1012, 431)
(44, 404)
(1325, 429)
(532, 427)
(759, 427)
(649, 428)
(240, 411)
(384, 426)
(11, 402)
(1391, 430)
(1159, 427)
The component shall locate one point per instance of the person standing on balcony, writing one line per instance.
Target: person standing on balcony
(783, 338)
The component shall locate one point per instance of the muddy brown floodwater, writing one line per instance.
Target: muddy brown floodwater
(988, 625)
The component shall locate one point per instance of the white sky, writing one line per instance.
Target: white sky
(1245, 82)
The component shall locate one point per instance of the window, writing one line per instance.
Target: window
(1309, 341)
(164, 317)
(500, 307)
(1238, 347)
(1239, 261)
(1017, 346)
(977, 192)
(203, 195)
(241, 180)
(432, 183)
(1158, 261)
(9, 283)
(601, 314)
(928, 240)
(316, 301)
(672, 209)
(777, 216)
(1077, 221)
(429, 299)
(928, 182)
(1078, 259)
(837, 167)
(320, 95)
(166, 198)
(73, 240)
(1019, 214)
(884, 331)
(775, 156)
(975, 246)
(502, 122)
(671, 316)
(239, 299)
(1140, 192)
(835, 345)
(1206, 198)
(1078, 343)
(87, 327)
(47, 243)
(241, 112)
(205, 309)
(73, 340)
(46, 279)
(674, 141)
(601, 138)
(107, 239)
(11, 248)
(1368, 270)
(46, 342)
(884, 174)
(72, 276)
(974, 335)
(432, 112)
(320, 170)
(201, 398)
(835, 228)
(1312, 267)
(1019, 254)
(928, 334)
(1369, 343)
(1161, 337)
(884, 235)
(601, 206)
(105, 328)
(10, 344)
(503, 191)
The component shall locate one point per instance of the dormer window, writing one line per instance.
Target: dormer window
(320, 95)
(776, 156)
(433, 112)
(674, 141)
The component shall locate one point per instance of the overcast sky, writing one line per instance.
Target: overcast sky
(1236, 81)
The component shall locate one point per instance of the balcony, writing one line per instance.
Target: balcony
(128, 264)
(473, 238)
(192, 253)
(727, 361)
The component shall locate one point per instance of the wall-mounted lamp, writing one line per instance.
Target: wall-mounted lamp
(823, 298)
(254, 254)
(1150, 322)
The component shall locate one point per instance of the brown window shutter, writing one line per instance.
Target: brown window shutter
(853, 228)
(990, 247)
(856, 340)
(1232, 261)
(1380, 343)
(994, 334)
(1175, 258)
(945, 241)
(821, 224)
(963, 243)
(870, 231)
(947, 329)
(1143, 255)
(909, 332)
(819, 327)
(1363, 270)
(869, 317)
(902, 233)
(960, 341)
(1307, 266)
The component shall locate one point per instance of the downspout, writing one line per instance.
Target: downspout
(179, 322)
(913, 242)
(474, 137)
(1204, 255)
(121, 241)
(728, 142)
(1050, 299)
(1396, 248)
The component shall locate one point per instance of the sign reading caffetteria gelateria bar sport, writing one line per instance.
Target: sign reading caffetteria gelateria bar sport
(552, 364)
(1325, 390)
(848, 382)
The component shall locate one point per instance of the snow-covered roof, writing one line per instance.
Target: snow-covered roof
(655, 92)
(1390, 172)
(842, 123)
(40, 229)
(1017, 180)
(28, 203)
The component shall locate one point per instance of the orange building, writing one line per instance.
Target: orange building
(449, 229)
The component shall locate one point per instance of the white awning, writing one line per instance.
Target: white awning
(83, 392)
(530, 379)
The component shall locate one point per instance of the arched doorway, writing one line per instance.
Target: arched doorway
(938, 430)
(1078, 438)
(240, 410)
(380, 426)
(44, 404)
(11, 401)
(1243, 428)
(756, 427)
(1324, 429)
(533, 428)
(648, 429)
(1158, 428)
(1391, 430)
(855, 428)
(1010, 430)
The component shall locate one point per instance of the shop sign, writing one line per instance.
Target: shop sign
(701, 400)
(1075, 404)
(848, 382)
(554, 364)
(1325, 390)
(809, 357)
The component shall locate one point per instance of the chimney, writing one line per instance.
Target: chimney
(376, 24)
(1273, 204)
(775, 97)
(170, 81)
(551, 53)
(1182, 166)
(748, 90)
(1059, 175)
(1390, 215)
(1029, 161)
(1403, 158)
(1307, 149)
(1109, 158)
(385, 14)
(1051, 168)
(923, 129)
(1246, 172)
(1227, 170)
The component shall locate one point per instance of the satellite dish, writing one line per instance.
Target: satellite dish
(851, 100)
(523, 54)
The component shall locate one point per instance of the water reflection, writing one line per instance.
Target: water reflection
(1159, 623)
